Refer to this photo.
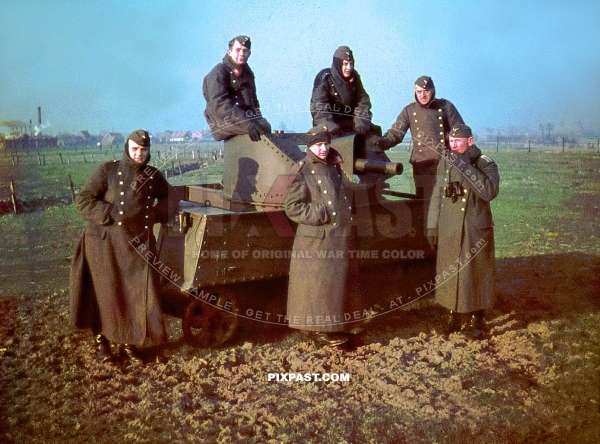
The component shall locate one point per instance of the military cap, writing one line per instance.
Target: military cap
(343, 53)
(317, 135)
(243, 39)
(425, 82)
(461, 131)
(141, 137)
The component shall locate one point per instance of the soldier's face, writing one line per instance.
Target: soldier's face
(138, 153)
(423, 95)
(347, 68)
(238, 53)
(460, 144)
(320, 150)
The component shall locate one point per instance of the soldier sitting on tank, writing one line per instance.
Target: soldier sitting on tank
(321, 285)
(460, 220)
(232, 106)
(340, 105)
(429, 120)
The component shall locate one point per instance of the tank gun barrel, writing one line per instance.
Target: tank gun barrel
(377, 166)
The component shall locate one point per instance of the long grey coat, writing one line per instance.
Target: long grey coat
(113, 285)
(465, 270)
(319, 269)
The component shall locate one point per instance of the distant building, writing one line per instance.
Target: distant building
(164, 137)
(197, 135)
(180, 136)
(112, 139)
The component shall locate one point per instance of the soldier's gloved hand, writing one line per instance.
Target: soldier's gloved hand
(254, 132)
(432, 237)
(363, 128)
(380, 142)
(334, 129)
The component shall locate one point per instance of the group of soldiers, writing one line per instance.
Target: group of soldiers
(450, 173)
(115, 294)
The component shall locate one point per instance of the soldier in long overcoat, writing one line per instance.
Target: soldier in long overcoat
(229, 89)
(320, 271)
(429, 120)
(460, 223)
(113, 285)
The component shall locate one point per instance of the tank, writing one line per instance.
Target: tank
(230, 237)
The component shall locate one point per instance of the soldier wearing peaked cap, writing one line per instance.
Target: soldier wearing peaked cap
(321, 276)
(114, 290)
(232, 106)
(460, 222)
(429, 120)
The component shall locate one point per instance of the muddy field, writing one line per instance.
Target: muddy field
(534, 379)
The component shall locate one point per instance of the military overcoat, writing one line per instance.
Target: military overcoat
(113, 276)
(319, 267)
(231, 101)
(429, 128)
(465, 269)
(339, 102)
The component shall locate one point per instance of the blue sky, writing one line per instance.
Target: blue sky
(116, 65)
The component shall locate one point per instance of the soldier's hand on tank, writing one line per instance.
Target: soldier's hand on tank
(432, 237)
(380, 142)
(334, 129)
(363, 129)
(254, 132)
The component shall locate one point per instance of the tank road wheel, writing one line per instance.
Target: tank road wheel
(212, 321)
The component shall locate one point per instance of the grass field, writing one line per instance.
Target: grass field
(535, 380)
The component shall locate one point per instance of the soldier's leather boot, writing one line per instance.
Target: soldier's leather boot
(103, 351)
(130, 352)
(476, 326)
(452, 324)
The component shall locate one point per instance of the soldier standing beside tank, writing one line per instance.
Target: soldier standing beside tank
(319, 274)
(113, 287)
(429, 120)
(460, 220)
(232, 106)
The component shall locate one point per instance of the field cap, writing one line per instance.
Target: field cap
(461, 131)
(343, 53)
(243, 39)
(425, 82)
(317, 135)
(141, 137)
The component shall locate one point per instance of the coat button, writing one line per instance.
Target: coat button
(122, 193)
(119, 223)
(329, 203)
(324, 191)
(464, 200)
(334, 213)
(120, 182)
(319, 181)
(120, 212)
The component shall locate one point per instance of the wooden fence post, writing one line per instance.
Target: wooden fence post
(61, 159)
(13, 196)
(72, 189)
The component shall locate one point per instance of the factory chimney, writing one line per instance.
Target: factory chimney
(39, 116)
